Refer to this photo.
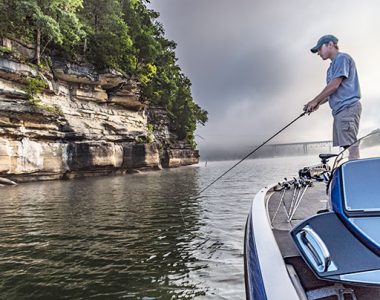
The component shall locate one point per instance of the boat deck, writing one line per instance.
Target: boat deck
(315, 199)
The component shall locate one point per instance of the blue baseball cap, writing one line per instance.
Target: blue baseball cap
(324, 40)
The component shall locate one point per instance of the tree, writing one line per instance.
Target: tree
(109, 44)
(162, 80)
(121, 34)
(145, 37)
(47, 20)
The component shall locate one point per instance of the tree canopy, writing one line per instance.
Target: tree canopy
(120, 34)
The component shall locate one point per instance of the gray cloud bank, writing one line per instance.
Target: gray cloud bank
(251, 68)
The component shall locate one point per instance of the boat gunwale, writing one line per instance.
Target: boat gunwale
(275, 276)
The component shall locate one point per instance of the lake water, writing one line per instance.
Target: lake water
(143, 236)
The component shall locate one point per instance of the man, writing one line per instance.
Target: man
(343, 93)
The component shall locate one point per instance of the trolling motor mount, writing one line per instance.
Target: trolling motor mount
(325, 157)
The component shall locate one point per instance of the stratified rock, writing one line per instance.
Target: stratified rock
(130, 102)
(83, 124)
(19, 49)
(111, 78)
(13, 94)
(11, 70)
(5, 156)
(76, 73)
(127, 95)
(141, 156)
(181, 157)
(89, 93)
(93, 155)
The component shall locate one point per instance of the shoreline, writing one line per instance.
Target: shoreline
(16, 179)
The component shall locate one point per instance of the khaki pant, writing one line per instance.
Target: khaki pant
(346, 125)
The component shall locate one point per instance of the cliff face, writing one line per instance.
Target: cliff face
(83, 123)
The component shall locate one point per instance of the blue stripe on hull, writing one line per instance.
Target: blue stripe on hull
(254, 284)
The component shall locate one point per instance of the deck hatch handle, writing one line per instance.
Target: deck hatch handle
(315, 249)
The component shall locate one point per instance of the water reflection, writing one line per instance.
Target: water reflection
(143, 236)
(104, 237)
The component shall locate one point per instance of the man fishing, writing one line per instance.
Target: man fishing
(342, 92)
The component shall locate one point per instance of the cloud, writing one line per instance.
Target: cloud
(251, 68)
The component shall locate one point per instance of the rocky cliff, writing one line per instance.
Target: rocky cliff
(82, 122)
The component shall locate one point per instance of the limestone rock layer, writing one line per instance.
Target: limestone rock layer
(82, 123)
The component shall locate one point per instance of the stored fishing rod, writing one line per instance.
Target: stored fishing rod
(253, 151)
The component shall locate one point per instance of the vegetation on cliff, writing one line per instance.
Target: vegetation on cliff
(120, 34)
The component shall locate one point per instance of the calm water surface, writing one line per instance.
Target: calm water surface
(144, 236)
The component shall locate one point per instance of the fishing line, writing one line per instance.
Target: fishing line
(253, 151)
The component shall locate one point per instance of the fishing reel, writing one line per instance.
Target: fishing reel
(292, 183)
(319, 172)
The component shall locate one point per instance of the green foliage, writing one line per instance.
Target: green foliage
(5, 50)
(148, 72)
(110, 44)
(55, 109)
(45, 64)
(140, 140)
(43, 22)
(162, 80)
(34, 86)
(150, 136)
(120, 34)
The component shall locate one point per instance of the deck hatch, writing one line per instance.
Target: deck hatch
(361, 185)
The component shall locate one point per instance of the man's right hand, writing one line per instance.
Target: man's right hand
(311, 106)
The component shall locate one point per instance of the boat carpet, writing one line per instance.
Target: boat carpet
(314, 199)
(285, 243)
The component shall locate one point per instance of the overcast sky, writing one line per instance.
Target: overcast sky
(251, 67)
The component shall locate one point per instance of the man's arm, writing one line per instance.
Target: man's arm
(330, 89)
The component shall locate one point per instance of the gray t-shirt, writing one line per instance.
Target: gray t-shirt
(348, 92)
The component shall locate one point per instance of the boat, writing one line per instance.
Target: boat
(317, 236)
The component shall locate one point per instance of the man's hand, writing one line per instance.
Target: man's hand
(311, 106)
(323, 96)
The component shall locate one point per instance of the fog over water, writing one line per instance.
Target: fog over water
(252, 70)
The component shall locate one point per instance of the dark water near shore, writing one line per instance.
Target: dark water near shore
(143, 236)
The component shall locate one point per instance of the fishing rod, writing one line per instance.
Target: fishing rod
(253, 151)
